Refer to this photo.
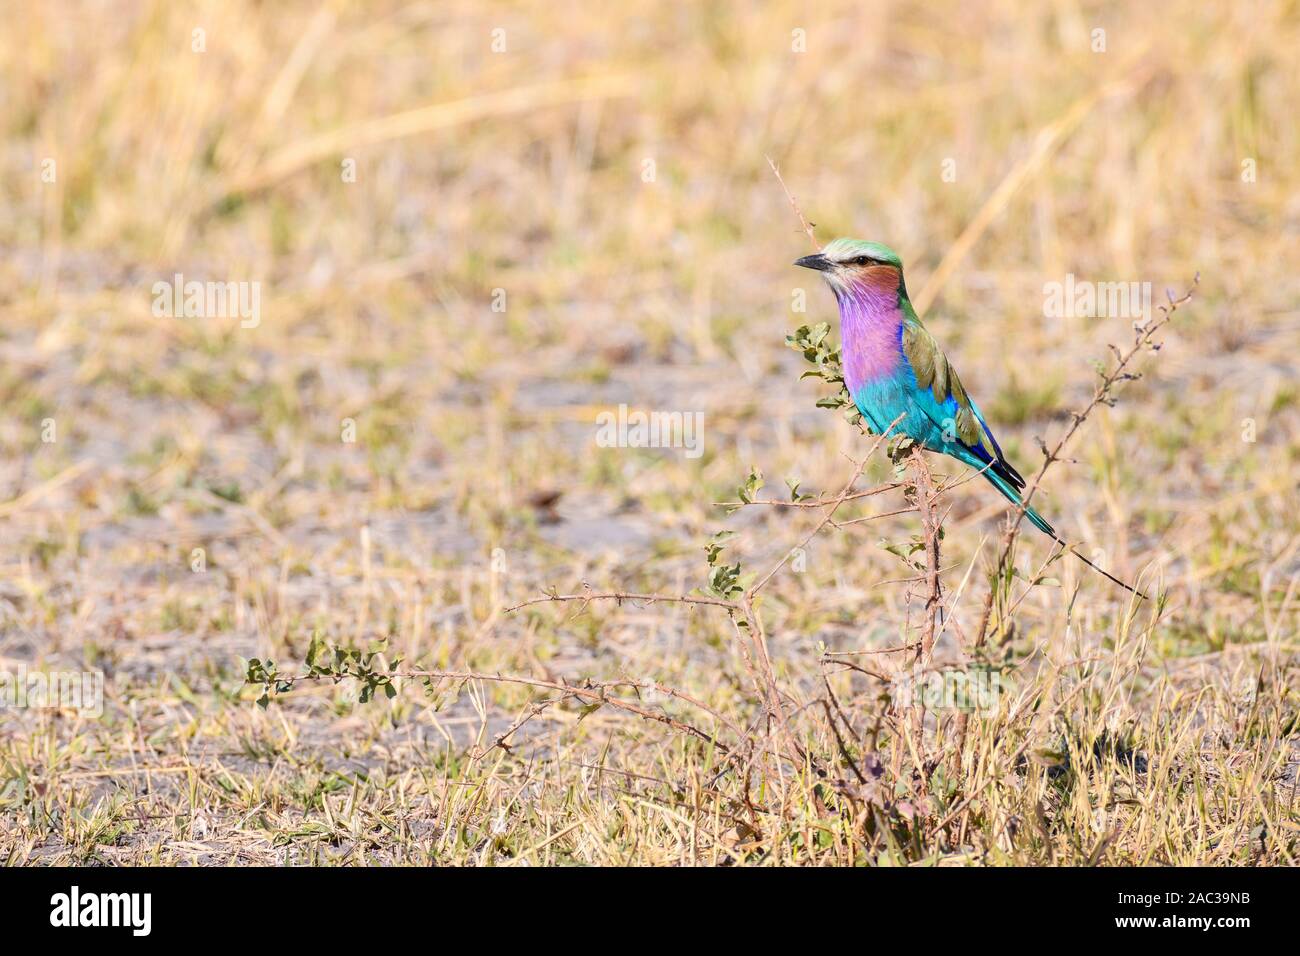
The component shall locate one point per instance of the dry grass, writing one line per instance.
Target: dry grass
(1151, 734)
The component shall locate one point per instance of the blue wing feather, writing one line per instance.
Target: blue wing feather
(934, 428)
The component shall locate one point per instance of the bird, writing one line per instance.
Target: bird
(895, 370)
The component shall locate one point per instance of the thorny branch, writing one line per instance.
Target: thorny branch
(807, 226)
(1103, 394)
(593, 692)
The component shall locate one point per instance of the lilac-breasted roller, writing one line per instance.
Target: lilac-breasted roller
(893, 366)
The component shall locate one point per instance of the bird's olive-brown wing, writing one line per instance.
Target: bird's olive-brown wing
(935, 372)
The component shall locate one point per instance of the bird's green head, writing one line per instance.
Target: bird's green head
(849, 263)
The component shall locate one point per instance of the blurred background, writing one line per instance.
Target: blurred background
(476, 226)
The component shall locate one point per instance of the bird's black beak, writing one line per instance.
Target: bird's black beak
(818, 262)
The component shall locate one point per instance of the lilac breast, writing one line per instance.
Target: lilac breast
(871, 334)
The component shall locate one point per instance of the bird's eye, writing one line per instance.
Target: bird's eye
(861, 260)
